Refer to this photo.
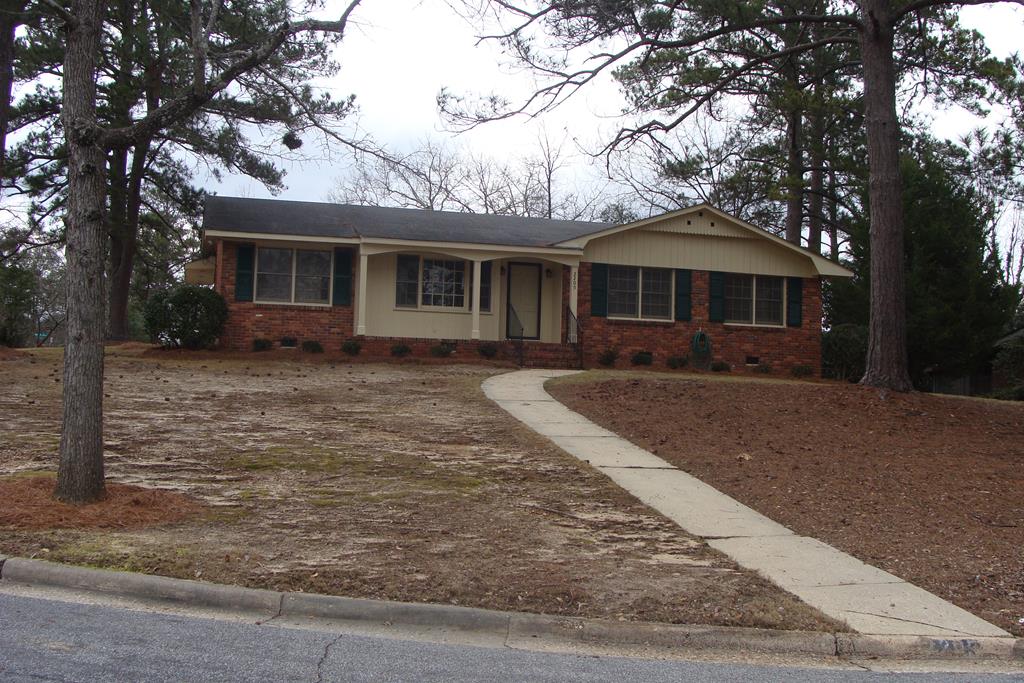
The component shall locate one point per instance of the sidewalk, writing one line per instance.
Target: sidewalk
(868, 599)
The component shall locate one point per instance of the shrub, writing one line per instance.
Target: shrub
(763, 368)
(262, 344)
(721, 366)
(488, 350)
(188, 316)
(1008, 365)
(642, 358)
(676, 362)
(844, 349)
(442, 350)
(312, 346)
(289, 342)
(351, 347)
(608, 357)
(400, 350)
(1009, 394)
(802, 371)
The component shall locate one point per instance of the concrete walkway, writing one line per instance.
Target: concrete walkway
(868, 599)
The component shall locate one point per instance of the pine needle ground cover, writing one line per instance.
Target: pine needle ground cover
(928, 487)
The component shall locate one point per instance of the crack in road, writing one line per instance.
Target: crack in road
(912, 621)
(323, 657)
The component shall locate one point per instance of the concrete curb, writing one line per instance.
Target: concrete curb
(517, 629)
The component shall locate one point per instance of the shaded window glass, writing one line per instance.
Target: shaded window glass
(407, 281)
(739, 298)
(623, 291)
(769, 300)
(444, 283)
(312, 276)
(656, 297)
(274, 274)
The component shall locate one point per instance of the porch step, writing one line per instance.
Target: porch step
(541, 355)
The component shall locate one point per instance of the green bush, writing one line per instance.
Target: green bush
(1009, 394)
(608, 357)
(844, 350)
(721, 366)
(351, 347)
(488, 350)
(642, 358)
(1009, 363)
(802, 371)
(400, 350)
(262, 344)
(188, 316)
(763, 368)
(289, 342)
(442, 350)
(676, 362)
(312, 346)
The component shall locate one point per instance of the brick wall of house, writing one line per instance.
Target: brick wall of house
(781, 347)
(329, 325)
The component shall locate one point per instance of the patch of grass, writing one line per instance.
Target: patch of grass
(305, 458)
(24, 474)
(326, 502)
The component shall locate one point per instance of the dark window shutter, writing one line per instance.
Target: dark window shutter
(342, 277)
(794, 301)
(245, 256)
(716, 297)
(684, 288)
(599, 290)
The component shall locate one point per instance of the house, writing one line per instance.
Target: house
(570, 290)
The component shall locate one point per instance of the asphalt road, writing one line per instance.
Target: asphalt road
(53, 640)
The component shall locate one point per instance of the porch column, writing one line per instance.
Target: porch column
(574, 287)
(475, 334)
(361, 302)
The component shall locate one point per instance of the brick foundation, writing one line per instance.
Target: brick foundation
(780, 347)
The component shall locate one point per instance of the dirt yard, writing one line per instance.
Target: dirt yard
(928, 487)
(395, 481)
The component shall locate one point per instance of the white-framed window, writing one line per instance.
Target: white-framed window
(430, 282)
(301, 276)
(755, 299)
(635, 292)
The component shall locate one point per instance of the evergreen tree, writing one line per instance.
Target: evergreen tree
(957, 303)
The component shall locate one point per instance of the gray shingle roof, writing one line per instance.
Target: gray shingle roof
(318, 219)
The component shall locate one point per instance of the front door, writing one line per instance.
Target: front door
(524, 300)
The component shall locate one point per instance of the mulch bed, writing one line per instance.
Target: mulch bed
(28, 504)
(928, 487)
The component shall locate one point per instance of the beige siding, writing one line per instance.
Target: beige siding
(383, 319)
(668, 248)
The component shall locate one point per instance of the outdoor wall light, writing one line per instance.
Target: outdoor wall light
(547, 272)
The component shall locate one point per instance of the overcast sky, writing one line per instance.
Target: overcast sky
(403, 52)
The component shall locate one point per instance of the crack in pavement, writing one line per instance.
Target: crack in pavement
(912, 621)
(323, 657)
(280, 608)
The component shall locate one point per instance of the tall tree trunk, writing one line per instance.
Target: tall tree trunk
(817, 184)
(124, 235)
(11, 16)
(886, 365)
(833, 217)
(794, 176)
(80, 472)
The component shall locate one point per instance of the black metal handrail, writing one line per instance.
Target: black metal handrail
(515, 332)
(573, 334)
